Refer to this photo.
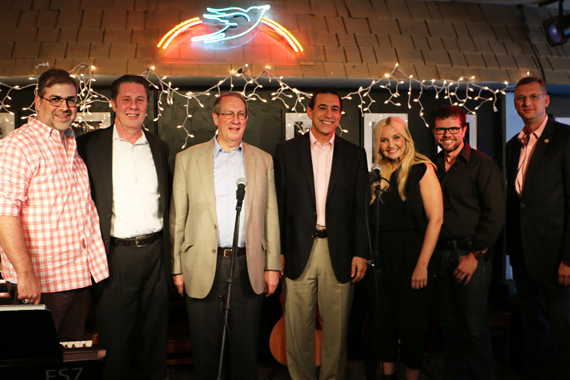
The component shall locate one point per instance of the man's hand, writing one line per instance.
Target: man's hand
(29, 288)
(271, 278)
(282, 266)
(13, 242)
(563, 275)
(179, 283)
(358, 269)
(465, 269)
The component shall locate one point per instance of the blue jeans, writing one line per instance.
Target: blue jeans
(463, 315)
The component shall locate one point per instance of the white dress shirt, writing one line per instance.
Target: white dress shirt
(135, 189)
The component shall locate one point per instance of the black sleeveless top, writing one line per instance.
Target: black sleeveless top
(396, 214)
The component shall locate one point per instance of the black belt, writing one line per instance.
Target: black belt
(461, 244)
(228, 252)
(320, 234)
(137, 241)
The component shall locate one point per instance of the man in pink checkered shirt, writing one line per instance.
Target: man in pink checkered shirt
(50, 240)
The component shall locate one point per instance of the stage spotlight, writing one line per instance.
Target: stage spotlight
(557, 29)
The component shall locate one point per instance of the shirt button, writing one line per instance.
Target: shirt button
(522, 205)
(213, 251)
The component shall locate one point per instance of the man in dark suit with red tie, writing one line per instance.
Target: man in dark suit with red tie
(538, 231)
(322, 183)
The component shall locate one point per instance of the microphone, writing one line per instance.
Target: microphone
(240, 192)
(375, 169)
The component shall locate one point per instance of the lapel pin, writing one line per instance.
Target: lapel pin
(546, 141)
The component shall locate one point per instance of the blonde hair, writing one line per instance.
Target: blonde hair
(410, 158)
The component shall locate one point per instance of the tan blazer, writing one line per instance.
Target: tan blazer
(193, 221)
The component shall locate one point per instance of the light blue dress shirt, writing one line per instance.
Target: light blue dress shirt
(228, 167)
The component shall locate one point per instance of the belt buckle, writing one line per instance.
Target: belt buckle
(137, 244)
(228, 252)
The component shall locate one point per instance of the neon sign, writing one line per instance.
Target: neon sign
(226, 17)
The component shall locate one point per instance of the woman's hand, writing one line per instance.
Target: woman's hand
(419, 277)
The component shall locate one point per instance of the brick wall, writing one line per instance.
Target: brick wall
(348, 38)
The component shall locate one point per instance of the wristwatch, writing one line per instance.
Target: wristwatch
(479, 255)
(566, 262)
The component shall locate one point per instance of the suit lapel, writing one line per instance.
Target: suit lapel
(104, 154)
(513, 160)
(540, 149)
(250, 166)
(206, 170)
(304, 150)
(337, 164)
(158, 164)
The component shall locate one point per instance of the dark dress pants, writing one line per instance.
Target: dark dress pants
(132, 313)
(68, 310)
(545, 317)
(463, 314)
(206, 320)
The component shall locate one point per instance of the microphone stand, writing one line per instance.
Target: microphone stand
(226, 301)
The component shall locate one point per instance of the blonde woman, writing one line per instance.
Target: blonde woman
(410, 214)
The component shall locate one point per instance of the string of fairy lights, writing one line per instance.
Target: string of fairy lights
(463, 92)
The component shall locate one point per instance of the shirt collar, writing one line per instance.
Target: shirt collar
(466, 151)
(314, 140)
(464, 154)
(44, 128)
(537, 132)
(141, 141)
(218, 148)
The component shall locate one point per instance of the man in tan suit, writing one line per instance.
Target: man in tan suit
(202, 224)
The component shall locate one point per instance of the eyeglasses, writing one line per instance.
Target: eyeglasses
(229, 115)
(532, 97)
(452, 130)
(57, 101)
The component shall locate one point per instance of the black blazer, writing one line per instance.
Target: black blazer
(96, 149)
(346, 206)
(538, 225)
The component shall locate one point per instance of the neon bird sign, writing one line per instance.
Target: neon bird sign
(225, 16)
(222, 16)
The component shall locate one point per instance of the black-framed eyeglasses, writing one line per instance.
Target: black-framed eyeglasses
(57, 101)
(229, 115)
(452, 130)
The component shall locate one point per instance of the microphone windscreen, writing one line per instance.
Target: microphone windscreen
(241, 181)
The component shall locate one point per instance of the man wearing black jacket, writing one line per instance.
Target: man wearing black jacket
(322, 183)
(538, 231)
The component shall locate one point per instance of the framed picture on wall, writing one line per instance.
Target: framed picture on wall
(296, 124)
(6, 124)
(471, 135)
(370, 121)
(562, 119)
(86, 122)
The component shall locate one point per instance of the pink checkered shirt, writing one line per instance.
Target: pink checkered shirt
(48, 188)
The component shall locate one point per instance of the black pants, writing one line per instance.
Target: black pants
(132, 313)
(206, 324)
(68, 309)
(545, 318)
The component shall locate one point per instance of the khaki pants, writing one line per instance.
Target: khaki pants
(317, 283)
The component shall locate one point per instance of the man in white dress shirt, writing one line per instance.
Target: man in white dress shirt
(128, 171)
